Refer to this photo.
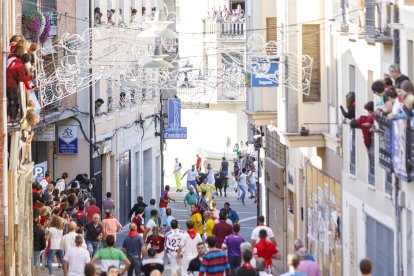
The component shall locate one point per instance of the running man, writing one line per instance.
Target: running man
(177, 175)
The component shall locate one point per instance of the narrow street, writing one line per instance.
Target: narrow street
(247, 213)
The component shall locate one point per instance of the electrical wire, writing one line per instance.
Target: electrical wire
(199, 33)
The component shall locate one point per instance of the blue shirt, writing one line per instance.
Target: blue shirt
(296, 273)
(167, 222)
(191, 198)
(147, 212)
(133, 245)
(232, 215)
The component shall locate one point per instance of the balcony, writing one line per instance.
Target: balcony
(370, 21)
(225, 29)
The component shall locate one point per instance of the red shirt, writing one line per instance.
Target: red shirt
(165, 197)
(366, 129)
(198, 163)
(266, 249)
(156, 242)
(91, 210)
(16, 72)
(221, 230)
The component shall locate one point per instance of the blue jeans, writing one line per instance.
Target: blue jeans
(243, 195)
(192, 183)
(252, 189)
(235, 262)
(36, 258)
(135, 265)
(92, 247)
(52, 253)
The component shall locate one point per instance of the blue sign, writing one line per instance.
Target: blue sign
(68, 140)
(174, 129)
(265, 79)
(39, 171)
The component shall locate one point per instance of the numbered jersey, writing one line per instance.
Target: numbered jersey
(173, 240)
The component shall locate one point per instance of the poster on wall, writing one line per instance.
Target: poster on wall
(401, 132)
(263, 76)
(68, 139)
(385, 143)
(174, 129)
(39, 171)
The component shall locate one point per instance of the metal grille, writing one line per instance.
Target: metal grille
(371, 171)
(352, 167)
(381, 253)
(388, 183)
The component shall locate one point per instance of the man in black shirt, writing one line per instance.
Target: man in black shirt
(396, 75)
(134, 210)
(93, 234)
(195, 263)
(152, 263)
(247, 269)
(39, 242)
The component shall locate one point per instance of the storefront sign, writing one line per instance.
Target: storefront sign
(265, 78)
(39, 171)
(68, 140)
(174, 129)
(45, 134)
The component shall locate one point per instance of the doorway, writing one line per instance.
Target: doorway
(124, 187)
(147, 187)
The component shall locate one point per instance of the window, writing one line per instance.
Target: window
(109, 96)
(410, 59)
(311, 47)
(271, 35)
(352, 157)
(388, 183)
(369, 84)
(352, 78)
(274, 148)
(371, 161)
(382, 252)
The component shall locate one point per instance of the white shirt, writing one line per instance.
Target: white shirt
(77, 258)
(177, 167)
(60, 185)
(44, 183)
(255, 233)
(173, 239)
(210, 176)
(55, 238)
(191, 175)
(252, 178)
(190, 245)
(68, 241)
(150, 224)
(242, 181)
(227, 220)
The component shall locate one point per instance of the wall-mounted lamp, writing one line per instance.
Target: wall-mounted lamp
(304, 131)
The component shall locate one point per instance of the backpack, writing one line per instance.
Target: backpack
(80, 218)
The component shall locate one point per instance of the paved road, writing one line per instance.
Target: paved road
(247, 213)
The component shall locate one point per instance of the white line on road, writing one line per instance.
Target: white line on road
(246, 219)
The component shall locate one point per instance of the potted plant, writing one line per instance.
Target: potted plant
(33, 25)
(46, 32)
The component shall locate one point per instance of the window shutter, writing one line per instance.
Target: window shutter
(311, 47)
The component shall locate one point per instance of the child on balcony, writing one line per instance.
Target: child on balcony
(365, 123)
(31, 119)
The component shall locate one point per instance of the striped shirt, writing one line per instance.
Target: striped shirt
(109, 256)
(215, 263)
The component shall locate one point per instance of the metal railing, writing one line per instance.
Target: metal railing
(225, 28)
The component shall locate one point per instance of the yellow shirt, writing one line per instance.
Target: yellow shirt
(196, 218)
(209, 227)
(207, 187)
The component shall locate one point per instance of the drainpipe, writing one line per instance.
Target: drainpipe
(5, 143)
(396, 36)
(91, 104)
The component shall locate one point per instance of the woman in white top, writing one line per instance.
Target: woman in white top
(54, 234)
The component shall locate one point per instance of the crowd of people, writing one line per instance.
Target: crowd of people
(243, 174)
(395, 101)
(225, 14)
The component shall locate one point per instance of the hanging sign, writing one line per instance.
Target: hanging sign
(68, 140)
(174, 129)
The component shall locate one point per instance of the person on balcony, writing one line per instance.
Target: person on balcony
(395, 74)
(350, 105)
(15, 74)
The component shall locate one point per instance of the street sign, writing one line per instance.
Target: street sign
(39, 171)
(45, 134)
(68, 140)
(265, 79)
(174, 129)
